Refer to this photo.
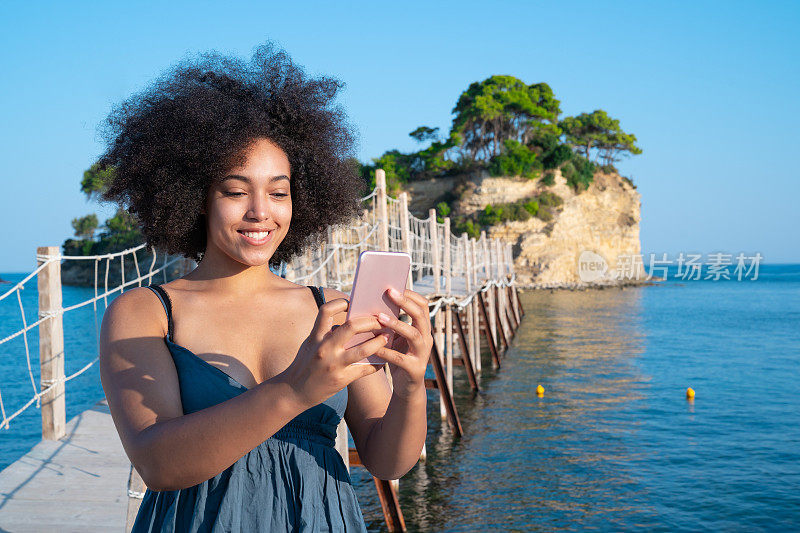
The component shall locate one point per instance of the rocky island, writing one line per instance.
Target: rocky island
(510, 166)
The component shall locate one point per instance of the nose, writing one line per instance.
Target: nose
(259, 208)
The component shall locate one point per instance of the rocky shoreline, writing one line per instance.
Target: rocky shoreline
(599, 225)
(580, 286)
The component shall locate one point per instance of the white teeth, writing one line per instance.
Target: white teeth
(257, 235)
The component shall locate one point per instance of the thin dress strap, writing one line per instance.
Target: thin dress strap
(167, 303)
(319, 294)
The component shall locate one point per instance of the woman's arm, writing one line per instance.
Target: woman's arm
(171, 450)
(389, 428)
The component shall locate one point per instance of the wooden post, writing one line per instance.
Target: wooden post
(448, 265)
(334, 264)
(488, 267)
(501, 330)
(510, 290)
(383, 218)
(444, 391)
(514, 296)
(405, 234)
(437, 285)
(51, 347)
(448, 309)
(487, 271)
(322, 275)
(500, 291)
(469, 341)
(465, 361)
(511, 310)
(361, 233)
(476, 319)
(308, 268)
(438, 322)
(388, 496)
(486, 330)
(439, 340)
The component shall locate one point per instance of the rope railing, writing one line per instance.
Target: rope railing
(332, 263)
(48, 385)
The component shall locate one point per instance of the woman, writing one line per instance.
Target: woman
(226, 386)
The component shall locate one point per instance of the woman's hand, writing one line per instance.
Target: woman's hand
(408, 355)
(322, 366)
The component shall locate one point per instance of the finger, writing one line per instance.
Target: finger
(394, 357)
(364, 350)
(420, 317)
(417, 297)
(324, 321)
(413, 336)
(355, 372)
(354, 326)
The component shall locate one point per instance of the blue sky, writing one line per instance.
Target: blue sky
(710, 89)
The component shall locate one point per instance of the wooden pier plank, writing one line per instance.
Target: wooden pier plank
(76, 483)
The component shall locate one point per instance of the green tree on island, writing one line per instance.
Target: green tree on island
(502, 108)
(600, 132)
(510, 128)
(506, 127)
(116, 234)
(95, 180)
(85, 226)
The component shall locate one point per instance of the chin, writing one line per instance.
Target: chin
(255, 259)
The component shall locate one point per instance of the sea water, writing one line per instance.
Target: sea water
(613, 444)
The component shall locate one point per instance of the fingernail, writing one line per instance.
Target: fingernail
(394, 292)
(383, 318)
(385, 337)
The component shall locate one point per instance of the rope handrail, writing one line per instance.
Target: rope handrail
(48, 315)
(87, 257)
(332, 264)
(44, 316)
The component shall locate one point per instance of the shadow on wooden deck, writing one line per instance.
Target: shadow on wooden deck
(77, 483)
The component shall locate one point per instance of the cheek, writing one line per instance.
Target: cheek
(222, 216)
(284, 213)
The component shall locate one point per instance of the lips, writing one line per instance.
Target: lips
(256, 238)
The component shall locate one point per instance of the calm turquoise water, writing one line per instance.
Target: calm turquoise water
(612, 445)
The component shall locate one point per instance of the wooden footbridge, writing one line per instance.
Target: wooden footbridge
(78, 477)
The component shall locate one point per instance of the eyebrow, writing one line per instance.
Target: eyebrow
(248, 180)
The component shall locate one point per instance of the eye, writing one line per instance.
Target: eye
(280, 194)
(233, 193)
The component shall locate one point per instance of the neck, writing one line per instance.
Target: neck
(218, 272)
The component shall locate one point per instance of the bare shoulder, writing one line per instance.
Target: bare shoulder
(137, 309)
(136, 369)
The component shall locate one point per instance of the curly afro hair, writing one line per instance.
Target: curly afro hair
(168, 144)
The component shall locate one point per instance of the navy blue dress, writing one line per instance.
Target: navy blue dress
(293, 481)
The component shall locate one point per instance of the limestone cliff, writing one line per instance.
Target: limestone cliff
(592, 240)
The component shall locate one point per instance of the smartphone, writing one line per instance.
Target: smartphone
(376, 272)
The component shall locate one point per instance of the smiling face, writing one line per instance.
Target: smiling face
(249, 210)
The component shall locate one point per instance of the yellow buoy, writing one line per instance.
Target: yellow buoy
(540, 390)
(690, 393)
